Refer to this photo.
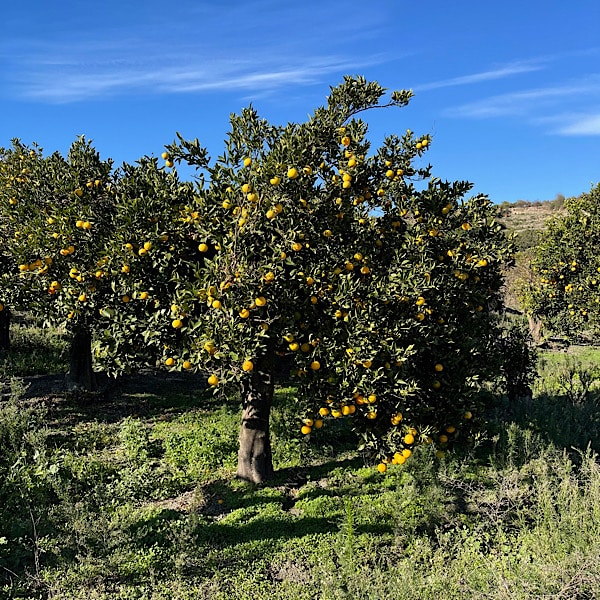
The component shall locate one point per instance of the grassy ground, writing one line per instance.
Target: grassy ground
(134, 496)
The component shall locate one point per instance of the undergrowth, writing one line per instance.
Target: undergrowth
(145, 505)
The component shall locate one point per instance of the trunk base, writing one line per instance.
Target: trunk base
(255, 460)
(4, 329)
(81, 375)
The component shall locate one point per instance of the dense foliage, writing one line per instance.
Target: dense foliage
(375, 282)
(566, 293)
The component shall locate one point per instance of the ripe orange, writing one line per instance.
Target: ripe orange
(382, 467)
(203, 247)
(293, 173)
(177, 324)
(170, 361)
(315, 365)
(247, 365)
(409, 439)
(213, 380)
(306, 429)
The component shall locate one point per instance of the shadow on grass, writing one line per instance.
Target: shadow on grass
(545, 419)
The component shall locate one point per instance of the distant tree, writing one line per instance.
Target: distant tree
(558, 202)
(565, 295)
(56, 213)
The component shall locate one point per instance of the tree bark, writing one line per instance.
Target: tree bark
(535, 328)
(81, 374)
(255, 460)
(4, 329)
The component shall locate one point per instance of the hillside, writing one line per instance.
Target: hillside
(527, 219)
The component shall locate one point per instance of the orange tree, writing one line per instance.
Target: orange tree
(149, 253)
(377, 283)
(56, 213)
(565, 294)
(4, 309)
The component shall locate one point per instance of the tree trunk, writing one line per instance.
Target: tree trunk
(255, 461)
(535, 328)
(81, 374)
(4, 329)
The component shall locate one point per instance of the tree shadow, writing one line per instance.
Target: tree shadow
(542, 420)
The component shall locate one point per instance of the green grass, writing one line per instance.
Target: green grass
(135, 497)
(34, 351)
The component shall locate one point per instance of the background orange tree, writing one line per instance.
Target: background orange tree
(56, 213)
(565, 294)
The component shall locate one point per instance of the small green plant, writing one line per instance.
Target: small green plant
(519, 361)
(578, 381)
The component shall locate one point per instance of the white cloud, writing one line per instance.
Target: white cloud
(580, 125)
(73, 82)
(526, 102)
(499, 73)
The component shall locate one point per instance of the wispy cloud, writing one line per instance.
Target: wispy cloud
(62, 82)
(208, 47)
(577, 124)
(533, 102)
(499, 73)
(57, 77)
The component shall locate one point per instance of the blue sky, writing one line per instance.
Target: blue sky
(510, 91)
